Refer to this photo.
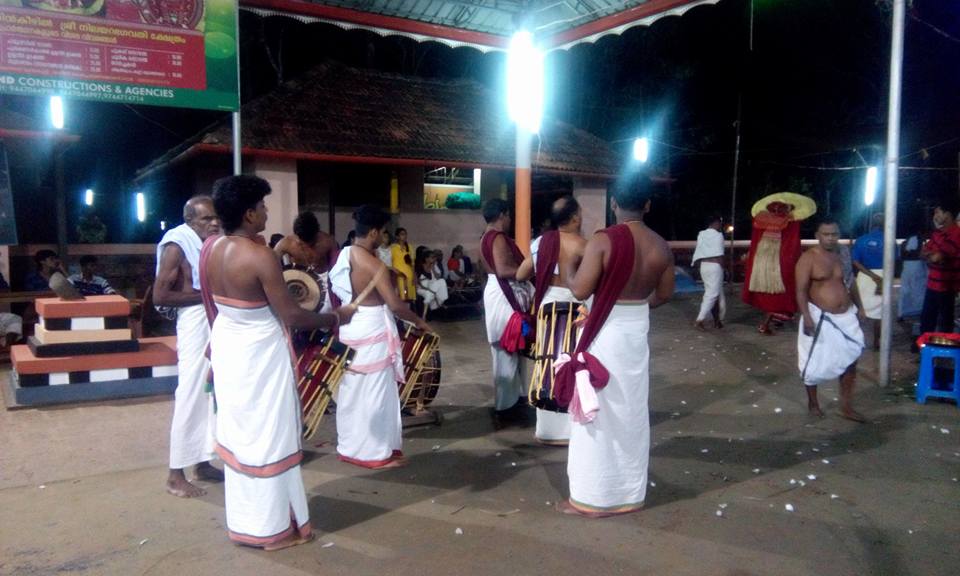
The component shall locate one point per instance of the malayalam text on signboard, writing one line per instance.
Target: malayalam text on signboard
(163, 52)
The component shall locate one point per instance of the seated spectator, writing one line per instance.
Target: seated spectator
(11, 325)
(459, 268)
(87, 282)
(47, 262)
(430, 283)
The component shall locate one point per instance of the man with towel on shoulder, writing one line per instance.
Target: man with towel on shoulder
(177, 286)
(368, 400)
(868, 260)
(628, 269)
(830, 340)
(550, 254)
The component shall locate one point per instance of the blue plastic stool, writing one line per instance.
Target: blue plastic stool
(925, 382)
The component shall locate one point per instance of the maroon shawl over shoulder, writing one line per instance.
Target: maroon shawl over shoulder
(548, 254)
(615, 276)
(486, 249)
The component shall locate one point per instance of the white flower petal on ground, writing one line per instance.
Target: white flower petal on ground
(788, 507)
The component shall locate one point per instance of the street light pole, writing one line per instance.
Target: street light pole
(890, 201)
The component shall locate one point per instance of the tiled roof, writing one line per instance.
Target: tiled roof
(340, 112)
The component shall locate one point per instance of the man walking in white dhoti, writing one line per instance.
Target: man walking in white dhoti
(628, 268)
(178, 286)
(368, 400)
(830, 339)
(709, 253)
(258, 421)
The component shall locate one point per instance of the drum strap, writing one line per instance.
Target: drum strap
(369, 288)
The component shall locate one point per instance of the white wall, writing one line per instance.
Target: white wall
(592, 196)
(438, 229)
(283, 203)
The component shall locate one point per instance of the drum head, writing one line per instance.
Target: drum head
(305, 288)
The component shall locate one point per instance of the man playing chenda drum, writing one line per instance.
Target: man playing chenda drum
(830, 340)
(550, 256)
(628, 269)
(368, 400)
(308, 247)
(258, 418)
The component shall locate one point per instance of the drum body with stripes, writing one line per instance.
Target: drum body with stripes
(556, 334)
(421, 366)
(320, 365)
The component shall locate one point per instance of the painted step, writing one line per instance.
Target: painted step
(161, 351)
(91, 306)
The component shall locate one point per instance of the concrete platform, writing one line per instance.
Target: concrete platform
(81, 487)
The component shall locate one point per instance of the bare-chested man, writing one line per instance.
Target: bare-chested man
(368, 401)
(628, 269)
(258, 419)
(502, 297)
(550, 256)
(830, 339)
(178, 286)
(308, 246)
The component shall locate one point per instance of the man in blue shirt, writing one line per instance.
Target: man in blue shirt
(868, 261)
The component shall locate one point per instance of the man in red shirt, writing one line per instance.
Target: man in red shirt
(942, 253)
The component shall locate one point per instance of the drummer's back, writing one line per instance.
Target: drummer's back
(235, 267)
(652, 259)
(363, 267)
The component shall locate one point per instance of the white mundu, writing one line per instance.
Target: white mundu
(608, 457)
(193, 424)
(258, 424)
(837, 342)
(369, 429)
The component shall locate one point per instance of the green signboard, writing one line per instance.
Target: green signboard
(163, 52)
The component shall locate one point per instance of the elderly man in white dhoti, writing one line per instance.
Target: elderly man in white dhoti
(258, 419)
(368, 399)
(177, 286)
(628, 268)
(830, 340)
(709, 253)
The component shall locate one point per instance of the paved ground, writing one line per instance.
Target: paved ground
(81, 487)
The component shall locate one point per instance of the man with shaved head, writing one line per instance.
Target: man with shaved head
(550, 255)
(178, 286)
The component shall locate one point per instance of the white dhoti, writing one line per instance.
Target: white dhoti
(508, 379)
(368, 400)
(872, 302)
(712, 275)
(608, 457)
(836, 344)
(554, 426)
(194, 423)
(258, 425)
(434, 292)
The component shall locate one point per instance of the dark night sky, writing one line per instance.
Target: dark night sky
(814, 88)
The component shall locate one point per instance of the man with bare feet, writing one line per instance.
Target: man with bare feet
(368, 401)
(258, 419)
(178, 286)
(830, 339)
(550, 254)
(628, 268)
